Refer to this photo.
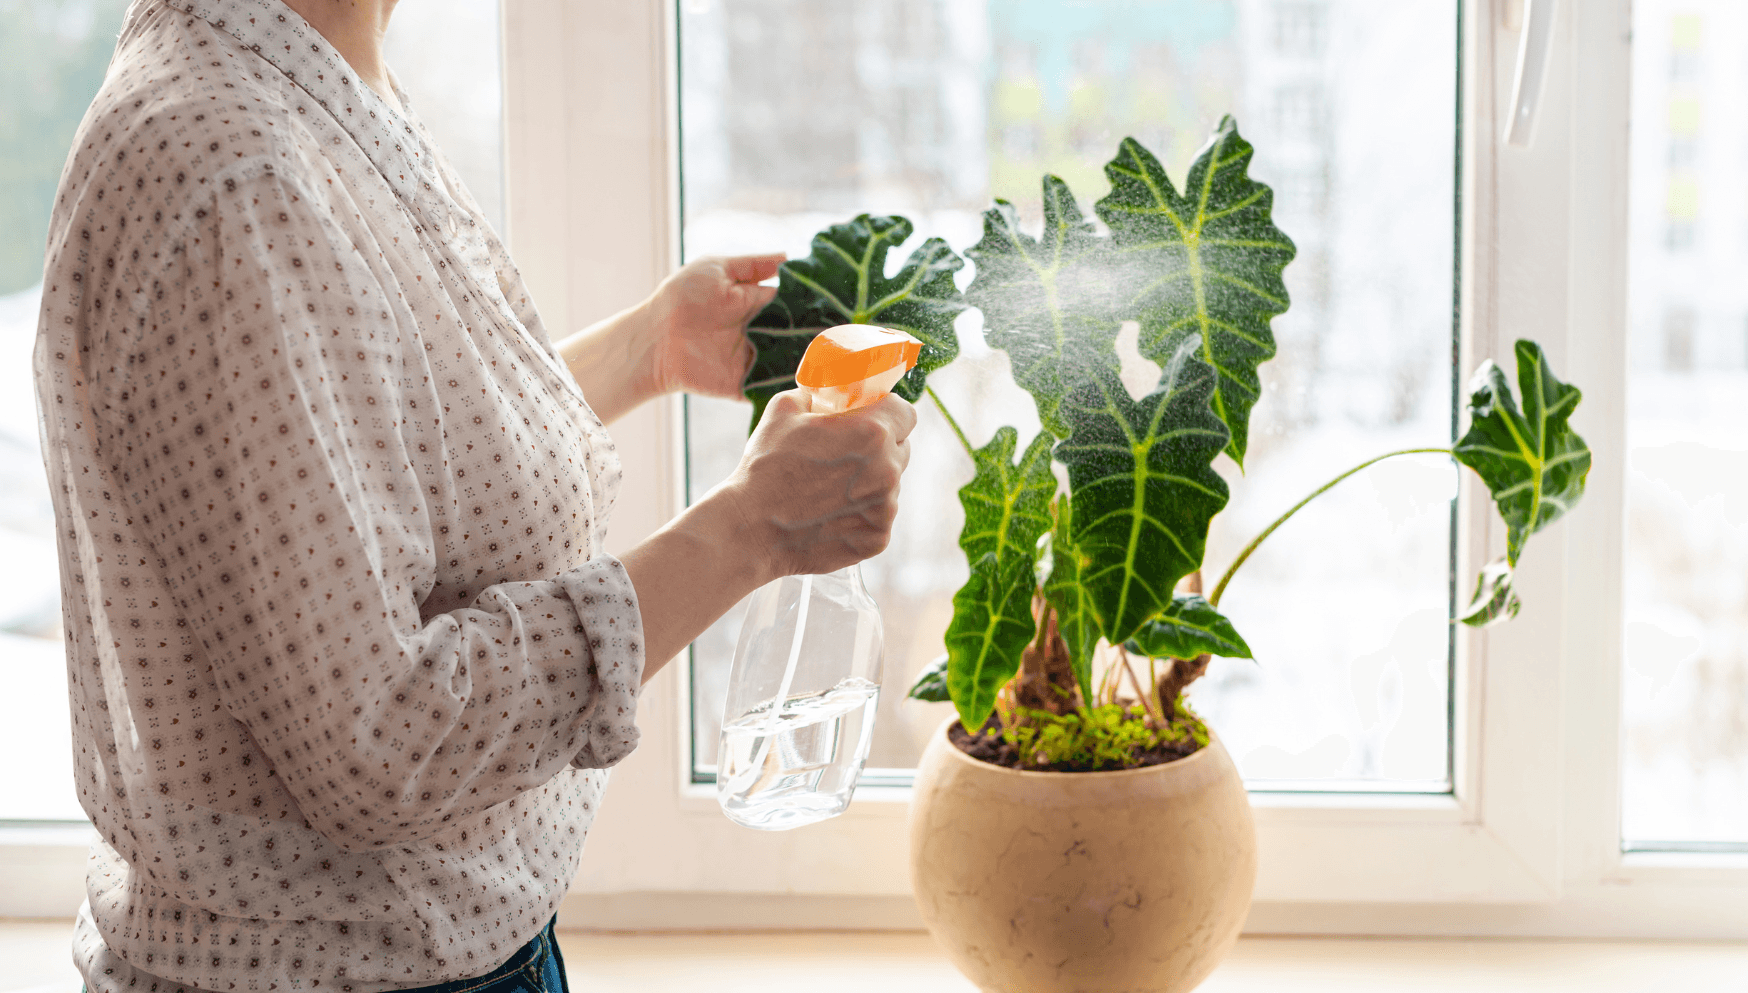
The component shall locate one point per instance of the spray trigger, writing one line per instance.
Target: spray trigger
(853, 365)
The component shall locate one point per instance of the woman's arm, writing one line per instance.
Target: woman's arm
(688, 335)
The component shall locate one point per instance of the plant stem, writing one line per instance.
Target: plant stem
(930, 390)
(1141, 695)
(1220, 587)
(1107, 692)
(1151, 696)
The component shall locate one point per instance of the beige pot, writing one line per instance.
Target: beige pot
(1135, 881)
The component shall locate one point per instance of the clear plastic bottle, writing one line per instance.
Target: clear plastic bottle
(780, 767)
(799, 714)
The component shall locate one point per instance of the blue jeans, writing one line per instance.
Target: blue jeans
(537, 967)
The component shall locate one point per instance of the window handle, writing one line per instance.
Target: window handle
(1534, 47)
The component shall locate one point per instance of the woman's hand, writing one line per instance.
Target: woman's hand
(819, 492)
(690, 334)
(813, 493)
(698, 319)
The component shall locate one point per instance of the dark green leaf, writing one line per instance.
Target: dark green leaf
(1050, 303)
(1207, 263)
(992, 622)
(931, 685)
(1076, 620)
(844, 281)
(1186, 628)
(1533, 463)
(1494, 600)
(1007, 506)
(1144, 487)
(777, 354)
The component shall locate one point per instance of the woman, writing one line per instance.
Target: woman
(348, 660)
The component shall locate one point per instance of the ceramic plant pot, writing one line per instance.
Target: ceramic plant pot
(1135, 881)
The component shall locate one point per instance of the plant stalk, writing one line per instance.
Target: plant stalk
(1220, 587)
(1109, 682)
(1142, 697)
(954, 424)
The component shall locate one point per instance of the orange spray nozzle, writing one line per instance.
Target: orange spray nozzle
(855, 364)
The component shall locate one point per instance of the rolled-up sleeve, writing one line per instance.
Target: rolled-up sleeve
(604, 599)
(274, 439)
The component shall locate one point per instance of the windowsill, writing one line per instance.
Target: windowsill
(48, 834)
(36, 957)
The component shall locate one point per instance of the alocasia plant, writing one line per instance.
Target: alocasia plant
(1187, 627)
(1062, 577)
(844, 281)
(1059, 575)
(1205, 263)
(1051, 303)
(1533, 463)
(1007, 509)
(1143, 487)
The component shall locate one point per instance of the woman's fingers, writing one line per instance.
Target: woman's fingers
(820, 491)
(753, 298)
(898, 415)
(748, 355)
(783, 405)
(753, 268)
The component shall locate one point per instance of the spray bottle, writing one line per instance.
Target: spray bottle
(799, 714)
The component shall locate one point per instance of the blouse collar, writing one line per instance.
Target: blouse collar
(285, 40)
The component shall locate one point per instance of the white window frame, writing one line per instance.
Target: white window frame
(1528, 843)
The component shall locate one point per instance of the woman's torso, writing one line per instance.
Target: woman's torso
(207, 866)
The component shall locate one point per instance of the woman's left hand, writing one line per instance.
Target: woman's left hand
(698, 319)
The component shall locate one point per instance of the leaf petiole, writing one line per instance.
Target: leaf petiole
(1220, 587)
(954, 424)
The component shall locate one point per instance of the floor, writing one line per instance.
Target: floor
(34, 959)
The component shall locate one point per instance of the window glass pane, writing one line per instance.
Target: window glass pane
(1685, 689)
(796, 115)
(52, 58)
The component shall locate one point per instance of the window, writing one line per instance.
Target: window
(962, 101)
(1685, 683)
(1300, 27)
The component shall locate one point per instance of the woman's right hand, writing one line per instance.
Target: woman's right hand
(813, 494)
(818, 492)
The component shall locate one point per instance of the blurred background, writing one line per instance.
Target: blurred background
(1686, 646)
(801, 113)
